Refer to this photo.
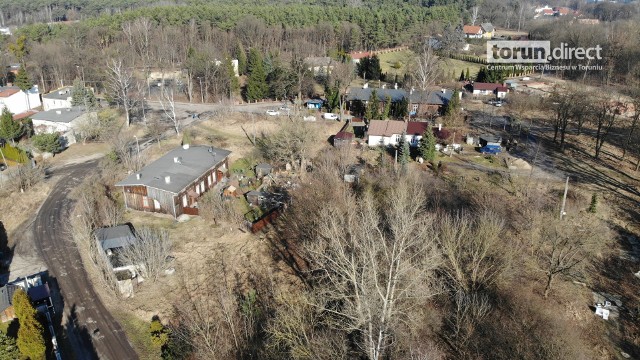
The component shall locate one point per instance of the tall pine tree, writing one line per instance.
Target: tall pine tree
(30, 333)
(81, 96)
(257, 87)
(22, 79)
(9, 129)
(428, 145)
(373, 107)
(404, 151)
(453, 105)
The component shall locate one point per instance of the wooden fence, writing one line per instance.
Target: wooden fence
(265, 220)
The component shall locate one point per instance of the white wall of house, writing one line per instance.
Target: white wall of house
(21, 101)
(501, 94)
(49, 104)
(375, 140)
(413, 140)
(482, 92)
(65, 129)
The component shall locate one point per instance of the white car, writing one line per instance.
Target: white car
(273, 112)
(330, 116)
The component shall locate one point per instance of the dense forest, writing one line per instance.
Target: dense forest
(21, 12)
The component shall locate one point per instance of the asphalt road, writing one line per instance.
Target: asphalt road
(90, 329)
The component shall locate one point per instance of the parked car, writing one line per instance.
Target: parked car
(330, 116)
(273, 112)
(498, 103)
(491, 149)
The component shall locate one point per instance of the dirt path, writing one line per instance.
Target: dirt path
(90, 329)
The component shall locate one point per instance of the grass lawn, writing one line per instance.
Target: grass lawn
(137, 332)
(387, 60)
(458, 65)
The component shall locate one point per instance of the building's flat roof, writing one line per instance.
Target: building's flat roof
(59, 115)
(192, 163)
(61, 94)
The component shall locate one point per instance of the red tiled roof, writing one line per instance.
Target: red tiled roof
(547, 12)
(485, 86)
(360, 55)
(24, 115)
(8, 92)
(342, 135)
(470, 29)
(416, 127)
(501, 89)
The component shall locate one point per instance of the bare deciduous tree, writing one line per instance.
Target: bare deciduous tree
(473, 250)
(564, 247)
(290, 144)
(474, 14)
(213, 207)
(425, 67)
(149, 253)
(373, 259)
(167, 103)
(122, 85)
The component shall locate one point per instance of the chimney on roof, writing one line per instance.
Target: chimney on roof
(138, 176)
(167, 179)
(439, 127)
(366, 85)
(59, 112)
(185, 146)
(177, 160)
(395, 86)
(384, 86)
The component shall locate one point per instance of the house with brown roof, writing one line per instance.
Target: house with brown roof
(385, 132)
(174, 183)
(472, 31)
(343, 138)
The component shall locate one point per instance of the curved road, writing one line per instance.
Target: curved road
(90, 329)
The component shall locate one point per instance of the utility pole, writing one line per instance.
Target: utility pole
(564, 198)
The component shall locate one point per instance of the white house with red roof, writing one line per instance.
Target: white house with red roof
(18, 101)
(472, 32)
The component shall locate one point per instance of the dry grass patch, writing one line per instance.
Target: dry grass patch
(17, 207)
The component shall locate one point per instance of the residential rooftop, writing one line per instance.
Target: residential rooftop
(430, 97)
(180, 166)
(386, 127)
(115, 236)
(61, 94)
(59, 115)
